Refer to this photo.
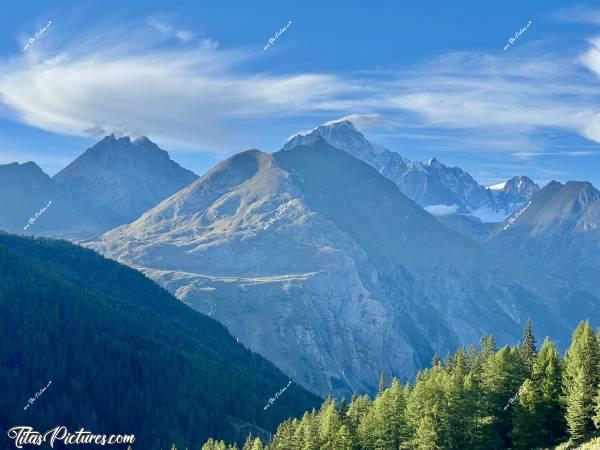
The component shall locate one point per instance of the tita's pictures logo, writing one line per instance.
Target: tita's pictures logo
(25, 435)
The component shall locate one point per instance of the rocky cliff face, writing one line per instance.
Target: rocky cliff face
(116, 180)
(318, 262)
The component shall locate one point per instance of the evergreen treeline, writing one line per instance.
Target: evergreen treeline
(478, 398)
(123, 355)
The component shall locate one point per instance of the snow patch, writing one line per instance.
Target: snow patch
(497, 187)
(442, 210)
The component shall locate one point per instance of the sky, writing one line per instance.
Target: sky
(204, 81)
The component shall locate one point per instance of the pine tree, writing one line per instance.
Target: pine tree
(382, 383)
(311, 437)
(481, 399)
(329, 424)
(367, 430)
(427, 436)
(428, 410)
(528, 347)
(359, 407)
(395, 413)
(596, 417)
(248, 443)
(579, 408)
(580, 381)
(457, 402)
(212, 445)
(547, 375)
(343, 440)
(284, 437)
(387, 417)
(527, 418)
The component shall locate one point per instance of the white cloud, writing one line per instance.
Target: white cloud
(574, 153)
(578, 14)
(441, 210)
(473, 91)
(161, 24)
(193, 96)
(184, 36)
(186, 97)
(360, 121)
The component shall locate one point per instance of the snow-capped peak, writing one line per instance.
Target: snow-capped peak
(342, 134)
(342, 122)
(428, 183)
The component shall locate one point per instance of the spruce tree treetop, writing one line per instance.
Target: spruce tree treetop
(528, 347)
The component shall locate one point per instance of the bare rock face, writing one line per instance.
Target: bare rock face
(116, 180)
(315, 260)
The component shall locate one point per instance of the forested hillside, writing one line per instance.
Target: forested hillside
(122, 355)
(477, 398)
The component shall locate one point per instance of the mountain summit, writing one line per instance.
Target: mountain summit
(559, 231)
(118, 179)
(430, 184)
(340, 134)
(315, 260)
(24, 191)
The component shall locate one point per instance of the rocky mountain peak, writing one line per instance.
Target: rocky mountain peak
(430, 183)
(434, 162)
(521, 185)
(341, 134)
(117, 179)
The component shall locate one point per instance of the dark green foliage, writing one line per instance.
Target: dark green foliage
(124, 356)
(481, 398)
(528, 348)
(580, 381)
(538, 416)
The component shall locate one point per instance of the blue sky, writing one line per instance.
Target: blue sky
(423, 78)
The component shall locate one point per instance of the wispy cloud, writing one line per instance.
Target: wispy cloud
(574, 153)
(161, 24)
(190, 96)
(185, 97)
(442, 210)
(477, 91)
(361, 121)
(578, 14)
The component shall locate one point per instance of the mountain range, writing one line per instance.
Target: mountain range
(24, 190)
(440, 189)
(318, 262)
(558, 230)
(335, 258)
(111, 183)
